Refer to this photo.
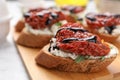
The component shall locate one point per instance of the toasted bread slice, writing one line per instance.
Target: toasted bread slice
(19, 26)
(48, 60)
(30, 40)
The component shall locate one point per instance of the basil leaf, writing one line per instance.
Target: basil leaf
(79, 59)
(58, 24)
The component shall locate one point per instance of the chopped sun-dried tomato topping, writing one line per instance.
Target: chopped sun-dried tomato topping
(79, 41)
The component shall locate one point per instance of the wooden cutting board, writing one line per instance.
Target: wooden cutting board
(112, 72)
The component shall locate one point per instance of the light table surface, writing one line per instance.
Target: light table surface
(11, 66)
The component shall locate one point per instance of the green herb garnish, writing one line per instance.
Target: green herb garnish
(111, 47)
(58, 24)
(79, 59)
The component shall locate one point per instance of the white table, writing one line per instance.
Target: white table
(11, 66)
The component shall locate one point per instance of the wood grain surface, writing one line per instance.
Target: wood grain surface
(112, 72)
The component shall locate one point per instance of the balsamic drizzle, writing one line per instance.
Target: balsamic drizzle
(55, 47)
(72, 9)
(48, 21)
(117, 16)
(49, 49)
(52, 15)
(110, 29)
(79, 19)
(26, 15)
(67, 40)
(92, 39)
(78, 29)
(91, 18)
(89, 39)
(101, 15)
(40, 15)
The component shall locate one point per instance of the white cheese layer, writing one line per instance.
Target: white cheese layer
(60, 53)
(51, 31)
(116, 31)
(56, 52)
(37, 31)
(55, 27)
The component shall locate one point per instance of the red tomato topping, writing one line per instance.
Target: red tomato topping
(101, 20)
(78, 41)
(43, 19)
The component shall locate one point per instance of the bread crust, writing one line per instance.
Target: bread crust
(30, 40)
(46, 59)
(19, 26)
(106, 37)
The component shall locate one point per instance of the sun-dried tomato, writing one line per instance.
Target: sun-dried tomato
(101, 20)
(43, 19)
(80, 42)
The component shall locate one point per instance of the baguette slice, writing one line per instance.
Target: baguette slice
(46, 59)
(19, 26)
(30, 40)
